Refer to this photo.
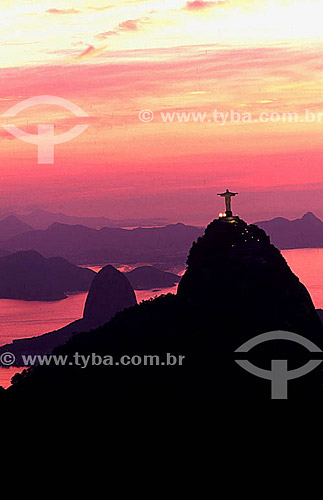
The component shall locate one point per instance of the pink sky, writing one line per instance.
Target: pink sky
(115, 59)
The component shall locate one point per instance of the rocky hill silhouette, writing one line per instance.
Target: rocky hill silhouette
(237, 285)
(110, 293)
(30, 276)
(235, 268)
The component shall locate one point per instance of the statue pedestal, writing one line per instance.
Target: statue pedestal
(229, 218)
(228, 213)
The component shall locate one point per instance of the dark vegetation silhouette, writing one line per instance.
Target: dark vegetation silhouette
(237, 285)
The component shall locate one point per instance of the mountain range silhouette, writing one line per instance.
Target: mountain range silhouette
(27, 275)
(12, 226)
(42, 219)
(83, 245)
(166, 245)
(237, 285)
(306, 232)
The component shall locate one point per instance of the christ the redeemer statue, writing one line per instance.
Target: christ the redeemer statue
(227, 195)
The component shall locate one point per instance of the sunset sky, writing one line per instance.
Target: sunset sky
(114, 59)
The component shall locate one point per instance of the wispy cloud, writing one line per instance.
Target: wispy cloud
(131, 25)
(106, 7)
(63, 11)
(107, 34)
(201, 5)
(91, 52)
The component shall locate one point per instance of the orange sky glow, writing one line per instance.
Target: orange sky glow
(114, 59)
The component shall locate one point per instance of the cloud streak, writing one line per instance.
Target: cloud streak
(91, 52)
(107, 34)
(131, 25)
(63, 11)
(202, 5)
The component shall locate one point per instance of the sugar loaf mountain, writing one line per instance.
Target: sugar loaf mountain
(237, 285)
(110, 292)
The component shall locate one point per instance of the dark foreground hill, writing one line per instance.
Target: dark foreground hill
(30, 276)
(83, 245)
(237, 286)
(110, 293)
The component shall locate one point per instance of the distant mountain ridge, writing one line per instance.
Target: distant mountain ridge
(84, 245)
(306, 232)
(12, 226)
(42, 219)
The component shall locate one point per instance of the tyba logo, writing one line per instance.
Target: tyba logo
(45, 139)
(279, 373)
